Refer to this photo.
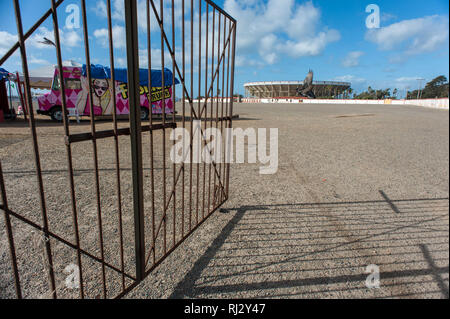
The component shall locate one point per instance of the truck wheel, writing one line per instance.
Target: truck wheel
(56, 114)
(144, 114)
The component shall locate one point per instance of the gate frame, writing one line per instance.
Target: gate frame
(135, 131)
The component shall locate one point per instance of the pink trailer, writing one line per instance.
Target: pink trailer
(77, 97)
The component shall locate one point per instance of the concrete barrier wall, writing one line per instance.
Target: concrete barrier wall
(431, 103)
(250, 100)
(212, 99)
(330, 101)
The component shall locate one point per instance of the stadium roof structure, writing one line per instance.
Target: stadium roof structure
(276, 89)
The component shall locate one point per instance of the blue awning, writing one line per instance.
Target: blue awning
(4, 73)
(102, 72)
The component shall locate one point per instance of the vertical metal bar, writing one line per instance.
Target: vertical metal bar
(173, 120)
(191, 107)
(222, 176)
(116, 140)
(35, 144)
(70, 165)
(233, 55)
(94, 143)
(135, 133)
(9, 233)
(225, 166)
(199, 96)
(184, 112)
(163, 84)
(206, 103)
(150, 88)
(212, 101)
(64, 103)
(217, 106)
(221, 112)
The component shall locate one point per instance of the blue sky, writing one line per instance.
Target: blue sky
(277, 39)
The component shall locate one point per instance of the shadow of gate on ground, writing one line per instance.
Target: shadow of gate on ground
(321, 250)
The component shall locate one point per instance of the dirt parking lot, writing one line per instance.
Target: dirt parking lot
(356, 185)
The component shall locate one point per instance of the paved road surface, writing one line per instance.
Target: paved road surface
(357, 185)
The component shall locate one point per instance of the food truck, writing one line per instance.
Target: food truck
(76, 89)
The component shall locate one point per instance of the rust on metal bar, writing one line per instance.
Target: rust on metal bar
(9, 234)
(116, 142)
(152, 181)
(61, 239)
(206, 102)
(192, 111)
(220, 10)
(135, 133)
(184, 110)
(212, 100)
(35, 141)
(174, 167)
(205, 194)
(94, 144)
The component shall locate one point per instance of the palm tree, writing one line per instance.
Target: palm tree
(394, 92)
(350, 91)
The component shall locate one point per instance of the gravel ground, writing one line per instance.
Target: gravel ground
(357, 185)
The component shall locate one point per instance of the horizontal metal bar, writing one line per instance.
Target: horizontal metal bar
(81, 137)
(227, 118)
(220, 10)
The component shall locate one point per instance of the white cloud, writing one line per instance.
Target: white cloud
(117, 9)
(310, 46)
(119, 37)
(118, 12)
(279, 27)
(100, 9)
(7, 40)
(156, 58)
(412, 36)
(266, 51)
(69, 39)
(304, 21)
(406, 79)
(385, 16)
(352, 59)
(350, 78)
(242, 60)
(120, 62)
(34, 60)
(407, 82)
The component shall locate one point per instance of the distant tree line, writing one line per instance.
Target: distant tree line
(372, 94)
(436, 88)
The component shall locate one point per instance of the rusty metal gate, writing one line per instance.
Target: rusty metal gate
(102, 227)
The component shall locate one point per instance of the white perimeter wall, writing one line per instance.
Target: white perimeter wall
(432, 103)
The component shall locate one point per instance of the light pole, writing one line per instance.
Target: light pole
(419, 92)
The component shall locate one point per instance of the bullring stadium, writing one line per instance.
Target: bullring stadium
(283, 89)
